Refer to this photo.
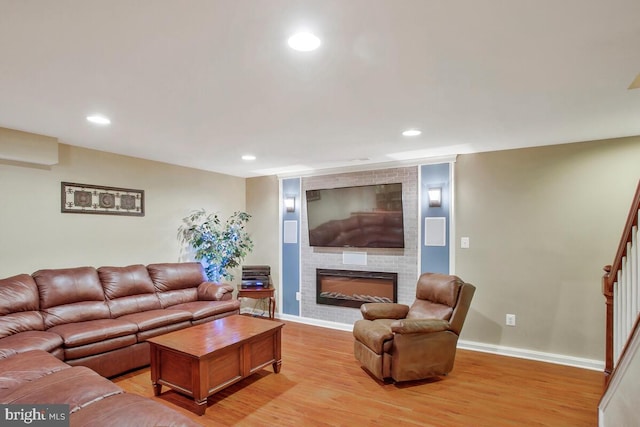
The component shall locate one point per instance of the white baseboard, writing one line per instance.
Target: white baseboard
(316, 322)
(559, 359)
(522, 353)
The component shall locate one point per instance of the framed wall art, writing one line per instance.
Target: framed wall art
(98, 199)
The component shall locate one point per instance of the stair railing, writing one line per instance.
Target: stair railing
(621, 289)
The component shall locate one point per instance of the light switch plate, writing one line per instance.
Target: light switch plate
(464, 242)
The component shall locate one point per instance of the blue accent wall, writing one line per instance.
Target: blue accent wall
(435, 259)
(291, 251)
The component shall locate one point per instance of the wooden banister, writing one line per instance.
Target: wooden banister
(610, 277)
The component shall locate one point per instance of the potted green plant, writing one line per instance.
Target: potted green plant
(220, 246)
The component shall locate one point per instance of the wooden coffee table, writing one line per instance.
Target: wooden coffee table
(202, 360)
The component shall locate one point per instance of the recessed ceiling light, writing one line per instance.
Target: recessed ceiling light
(99, 120)
(411, 132)
(304, 42)
(248, 157)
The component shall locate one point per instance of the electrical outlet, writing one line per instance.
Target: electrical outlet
(510, 320)
(297, 296)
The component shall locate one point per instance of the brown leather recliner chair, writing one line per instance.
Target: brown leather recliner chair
(395, 341)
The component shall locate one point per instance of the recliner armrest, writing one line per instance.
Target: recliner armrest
(384, 310)
(210, 291)
(415, 326)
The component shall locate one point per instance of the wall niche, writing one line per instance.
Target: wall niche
(404, 262)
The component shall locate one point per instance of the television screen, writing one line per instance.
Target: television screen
(367, 216)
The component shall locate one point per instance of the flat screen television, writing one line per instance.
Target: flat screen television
(366, 216)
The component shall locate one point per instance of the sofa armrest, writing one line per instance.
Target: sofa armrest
(384, 310)
(416, 326)
(210, 291)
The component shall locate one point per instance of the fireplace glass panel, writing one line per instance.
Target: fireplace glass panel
(350, 288)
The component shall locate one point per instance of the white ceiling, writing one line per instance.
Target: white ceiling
(201, 82)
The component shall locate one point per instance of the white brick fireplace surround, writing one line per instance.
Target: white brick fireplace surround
(401, 261)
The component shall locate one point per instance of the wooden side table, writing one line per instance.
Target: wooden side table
(259, 293)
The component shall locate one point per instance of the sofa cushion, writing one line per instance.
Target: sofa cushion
(374, 334)
(32, 363)
(28, 366)
(176, 283)
(20, 322)
(71, 353)
(133, 304)
(202, 309)
(145, 335)
(439, 288)
(18, 293)
(68, 285)
(120, 282)
(115, 362)
(127, 409)
(81, 333)
(147, 320)
(172, 276)
(128, 289)
(30, 340)
(77, 387)
(422, 309)
(19, 304)
(436, 295)
(70, 295)
(74, 313)
(179, 296)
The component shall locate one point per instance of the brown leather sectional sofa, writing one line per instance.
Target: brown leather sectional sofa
(99, 319)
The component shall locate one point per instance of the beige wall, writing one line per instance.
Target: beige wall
(35, 234)
(263, 205)
(542, 224)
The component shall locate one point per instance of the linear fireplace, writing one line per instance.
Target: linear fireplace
(351, 288)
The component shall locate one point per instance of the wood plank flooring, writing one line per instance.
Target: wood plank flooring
(321, 384)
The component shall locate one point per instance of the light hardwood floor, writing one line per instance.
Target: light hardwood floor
(321, 384)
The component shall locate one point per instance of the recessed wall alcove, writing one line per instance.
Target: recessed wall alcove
(403, 262)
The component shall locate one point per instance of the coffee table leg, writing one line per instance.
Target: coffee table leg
(277, 351)
(157, 388)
